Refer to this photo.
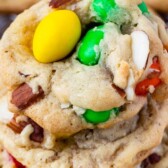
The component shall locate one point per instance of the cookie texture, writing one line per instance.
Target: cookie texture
(17, 6)
(50, 112)
(133, 142)
(158, 156)
(56, 94)
(162, 152)
(161, 5)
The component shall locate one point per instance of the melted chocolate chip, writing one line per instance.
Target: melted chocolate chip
(151, 160)
(145, 163)
(38, 134)
(154, 158)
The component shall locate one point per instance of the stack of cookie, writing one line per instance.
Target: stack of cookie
(160, 5)
(16, 6)
(83, 84)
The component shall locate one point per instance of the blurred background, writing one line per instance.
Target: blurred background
(10, 8)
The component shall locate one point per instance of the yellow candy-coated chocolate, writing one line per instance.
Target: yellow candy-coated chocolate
(56, 36)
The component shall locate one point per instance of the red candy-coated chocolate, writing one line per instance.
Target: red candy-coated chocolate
(15, 162)
(156, 65)
(142, 88)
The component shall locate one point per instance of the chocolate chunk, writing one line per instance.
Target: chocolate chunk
(154, 158)
(24, 97)
(145, 163)
(38, 134)
(151, 160)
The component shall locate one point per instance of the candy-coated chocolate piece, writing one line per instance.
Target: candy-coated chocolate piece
(16, 164)
(100, 117)
(142, 88)
(153, 79)
(89, 50)
(56, 36)
(143, 7)
(103, 8)
(105, 11)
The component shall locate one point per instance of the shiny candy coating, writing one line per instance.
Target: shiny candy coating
(143, 7)
(103, 8)
(89, 50)
(100, 117)
(56, 36)
(105, 11)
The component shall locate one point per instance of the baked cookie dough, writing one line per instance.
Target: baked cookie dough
(73, 94)
(160, 5)
(158, 157)
(10, 6)
(124, 145)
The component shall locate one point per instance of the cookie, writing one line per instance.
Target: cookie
(15, 7)
(161, 5)
(78, 92)
(158, 156)
(124, 145)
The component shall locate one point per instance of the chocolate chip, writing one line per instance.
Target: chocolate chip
(24, 97)
(38, 133)
(145, 163)
(151, 160)
(154, 158)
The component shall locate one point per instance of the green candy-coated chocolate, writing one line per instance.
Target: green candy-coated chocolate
(143, 7)
(102, 8)
(100, 117)
(89, 51)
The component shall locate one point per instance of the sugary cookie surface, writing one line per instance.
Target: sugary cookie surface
(124, 145)
(10, 6)
(160, 5)
(73, 65)
(84, 82)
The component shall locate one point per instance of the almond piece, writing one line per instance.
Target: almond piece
(130, 88)
(140, 48)
(24, 97)
(120, 91)
(58, 3)
(17, 127)
(36, 136)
